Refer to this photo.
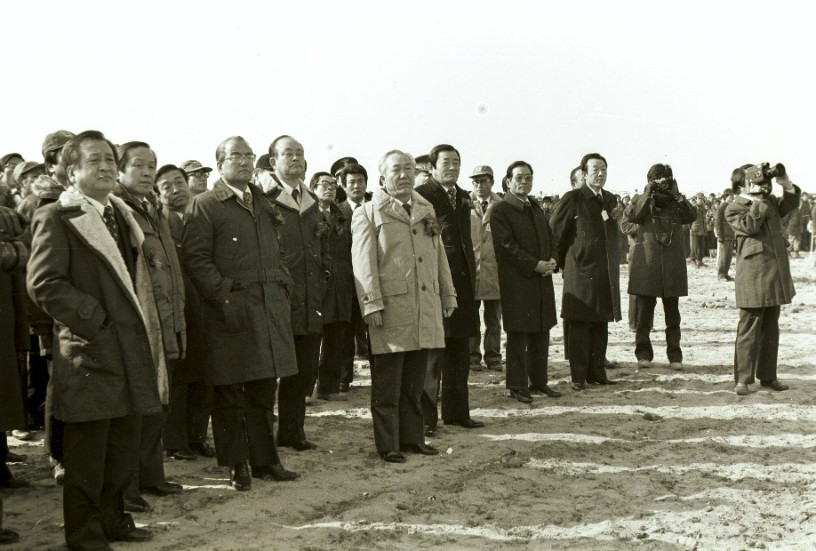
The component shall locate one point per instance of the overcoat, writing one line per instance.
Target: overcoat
(487, 272)
(233, 258)
(588, 248)
(658, 260)
(763, 276)
(340, 290)
(108, 357)
(522, 238)
(304, 252)
(698, 225)
(455, 224)
(13, 333)
(792, 222)
(722, 230)
(401, 270)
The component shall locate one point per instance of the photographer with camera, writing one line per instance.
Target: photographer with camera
(658, 264)
(763, 277)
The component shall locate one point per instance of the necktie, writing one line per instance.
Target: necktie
(248, 200)
(484, 207)
(326, 215)
(110, 222)
(356, 206)
(407, 208)
(296, 195)
(452, 196)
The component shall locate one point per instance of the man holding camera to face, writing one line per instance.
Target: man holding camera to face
(763, 277)
(658, 265)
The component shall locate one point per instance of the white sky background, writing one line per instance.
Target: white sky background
(703, 86)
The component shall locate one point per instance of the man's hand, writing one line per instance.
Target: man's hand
(546, 267)
(374, 319)
(448, 312)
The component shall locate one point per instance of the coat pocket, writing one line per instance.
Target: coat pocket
(750, 247)
(397, 302)
(234, 308)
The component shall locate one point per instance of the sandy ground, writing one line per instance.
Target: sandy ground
(664, 460)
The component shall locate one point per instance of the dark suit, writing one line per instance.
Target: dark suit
(355, 339)
(587, 245)
(108, 343)
(464, 323)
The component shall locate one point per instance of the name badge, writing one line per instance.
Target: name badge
(604, 215)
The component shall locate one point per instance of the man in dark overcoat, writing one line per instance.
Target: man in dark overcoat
(526, 261)
(89, 273)
(585, 235)
(452, 206)
(725, 238)
(305, 256)
(231, 252)
(763, 277)
(658, 262)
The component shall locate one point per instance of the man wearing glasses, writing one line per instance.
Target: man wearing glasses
(197, 175)
(231, 253)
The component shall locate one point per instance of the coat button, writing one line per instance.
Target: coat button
(414, 232)
(419, 259)
(424, 288)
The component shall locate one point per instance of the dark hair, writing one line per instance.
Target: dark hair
(658, 171)
(275, 143)
(221, 150)
(50, 157)
(738, 178)
(433, 156)
(515, 165)
(124, 150)
(71, 153)
(316, 178)
(588, 157)
(352, 169)
(504, 183)
(573, 172)
(169, 168)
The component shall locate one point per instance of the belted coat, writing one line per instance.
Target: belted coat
(487, 272)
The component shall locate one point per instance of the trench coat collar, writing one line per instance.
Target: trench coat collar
(477, 203)
(420, 207)
(277, 194)
(517, 203)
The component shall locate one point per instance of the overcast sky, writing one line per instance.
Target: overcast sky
(702, 87)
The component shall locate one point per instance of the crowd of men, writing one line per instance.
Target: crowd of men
(138, 302)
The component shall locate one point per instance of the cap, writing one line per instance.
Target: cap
(27, 166)
(699, 195)
(9, 156)
(193, 166)
(423, 164)
(342, 163)
(482, 170)
(55, 141)
(263, 162)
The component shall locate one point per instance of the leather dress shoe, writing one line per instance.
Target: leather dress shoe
(521, 396)
(643, 363)
(742, 390)
(12, 457)
(135, 535)
(8, 536)
(332, 397)
(239, 477)
(467, 423)
(182, 455)
(579, 386)
(545, 390)
(164, 489)
(422, 448)
(774, 385)
(430, 432)
(606, 382)
(137, 504)
(611, 364)
(344, 387)
(274, 472)
(13, 483)
(303, 445)
(677, 366)
(203, 449)
(393, 457)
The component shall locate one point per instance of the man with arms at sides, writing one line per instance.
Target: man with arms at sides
(585, 237)
(304, 253)
(340, 294)
(88, 271)
(404, 288)
(230, 252)
(526, 260)
(185, 431)
(197, 175)
(658, 265)
(725, 238)
(763, 277)
(354, 179)
(452, 206)
(487, 276)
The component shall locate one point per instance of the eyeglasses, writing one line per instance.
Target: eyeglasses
(237, 157)
(328, 185)
(527, 178)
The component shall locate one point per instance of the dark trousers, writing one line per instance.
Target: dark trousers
(698, 247)
(150, 461)
(492, 334)
(99, 463)
(430, 393)
(5, 473)
(189, 416)
(244, 423)
(725, 252)
(396, 387)
(632, 312)
(455, 372)
(757, 345)
(587, 350)
(54, 428)
(527, 355)
(37, 381)
(355, 342)
(294, 389)
(645, 321)
(331, 357)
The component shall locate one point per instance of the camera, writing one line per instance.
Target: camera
(663, 184)
(763, 173)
